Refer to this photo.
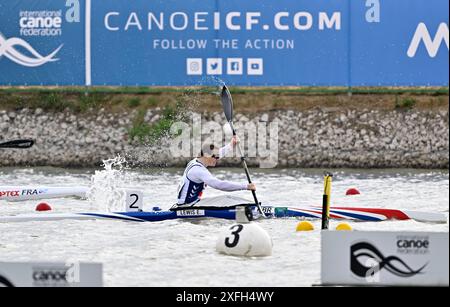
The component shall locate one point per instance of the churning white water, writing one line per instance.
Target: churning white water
(106, 192)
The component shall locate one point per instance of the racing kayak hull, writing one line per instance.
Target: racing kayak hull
(339, 213)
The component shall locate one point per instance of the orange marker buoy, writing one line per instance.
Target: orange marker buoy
(43, 207)
(352, 191)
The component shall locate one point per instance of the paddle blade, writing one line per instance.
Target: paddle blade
(227, 103)
(19, 144)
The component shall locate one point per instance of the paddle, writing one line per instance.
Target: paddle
(227, 103)
(19, 144)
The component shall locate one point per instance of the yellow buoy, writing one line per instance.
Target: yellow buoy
(305, 226)
(344, 227)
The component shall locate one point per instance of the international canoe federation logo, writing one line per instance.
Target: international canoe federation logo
(10, 49)
(367, 261)
(5, 283)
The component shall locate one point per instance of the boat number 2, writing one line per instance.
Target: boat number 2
(237, 229)
(136, 198)
(133, 201)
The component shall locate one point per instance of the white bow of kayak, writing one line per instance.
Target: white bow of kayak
(25, 193)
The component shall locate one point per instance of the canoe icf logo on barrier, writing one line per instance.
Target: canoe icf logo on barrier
(9, 49)
(367, 260)
(37, 23)
(56, 276)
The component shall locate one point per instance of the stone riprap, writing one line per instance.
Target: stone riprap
(313, 138)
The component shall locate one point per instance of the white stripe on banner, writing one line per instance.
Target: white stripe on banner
(88, 43)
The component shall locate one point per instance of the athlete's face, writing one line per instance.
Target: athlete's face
(212, 161)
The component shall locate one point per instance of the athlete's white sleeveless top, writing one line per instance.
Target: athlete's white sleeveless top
(189, 191)
(195, 179)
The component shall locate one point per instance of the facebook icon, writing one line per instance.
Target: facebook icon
(234, 66)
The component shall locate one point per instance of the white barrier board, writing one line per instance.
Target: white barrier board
(15, 274)
(374, 258)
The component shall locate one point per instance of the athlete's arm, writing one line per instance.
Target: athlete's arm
(200, 174)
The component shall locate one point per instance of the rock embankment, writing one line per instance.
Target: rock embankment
(313, 138)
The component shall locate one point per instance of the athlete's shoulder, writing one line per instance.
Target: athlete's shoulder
(194, 164)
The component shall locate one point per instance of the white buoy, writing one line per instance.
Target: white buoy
(245, 238)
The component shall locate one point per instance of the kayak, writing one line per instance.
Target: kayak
(274, 212)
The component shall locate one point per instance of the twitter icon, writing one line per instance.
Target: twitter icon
(214, 66)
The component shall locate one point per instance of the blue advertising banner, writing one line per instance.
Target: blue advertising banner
(242, 42)
(42, 42)
(198, 42)
(401, 42)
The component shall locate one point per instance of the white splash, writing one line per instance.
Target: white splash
(107, 193)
